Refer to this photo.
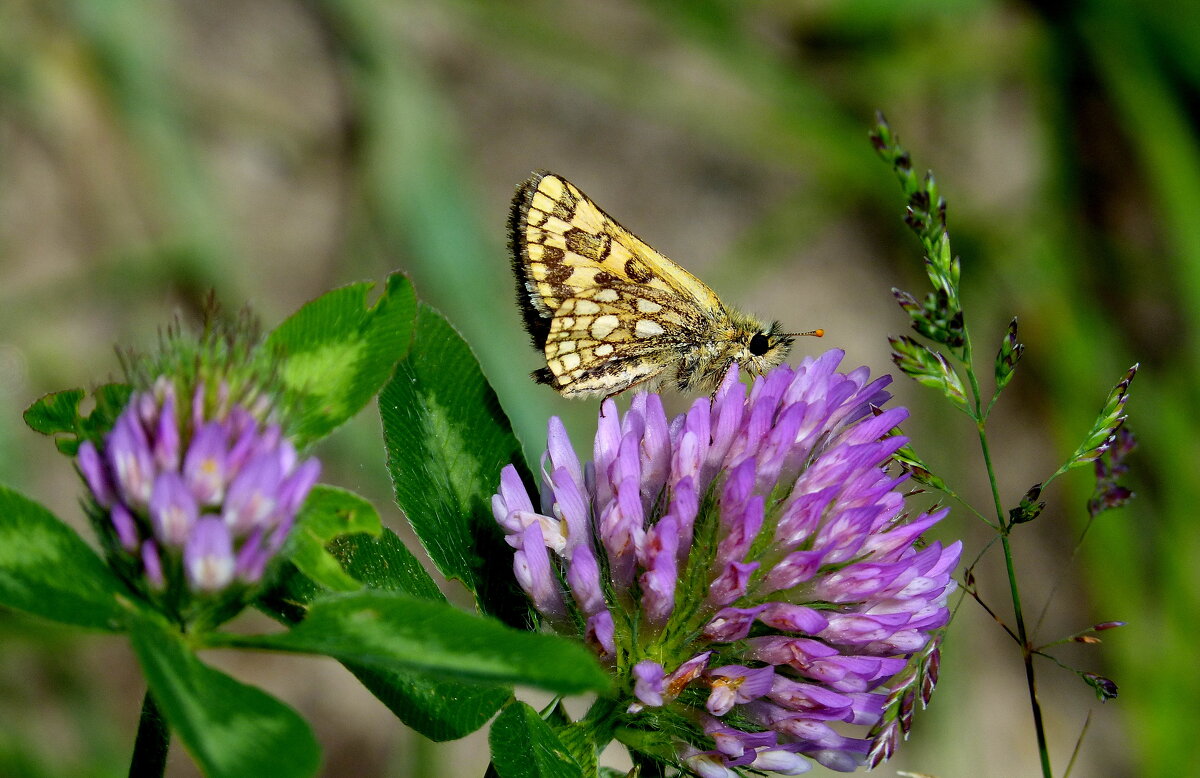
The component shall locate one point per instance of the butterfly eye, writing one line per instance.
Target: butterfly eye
(759, 344)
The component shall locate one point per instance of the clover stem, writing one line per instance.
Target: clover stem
(152, 741)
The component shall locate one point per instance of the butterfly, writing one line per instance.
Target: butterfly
(611, 313)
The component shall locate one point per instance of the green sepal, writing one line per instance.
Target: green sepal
(1103, 432)
(929, 368)
(912, 464)
(907, 458)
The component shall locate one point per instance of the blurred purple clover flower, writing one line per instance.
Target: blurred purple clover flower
(747, 570)
(192, 501)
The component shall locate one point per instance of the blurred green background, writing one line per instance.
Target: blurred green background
(268, 150)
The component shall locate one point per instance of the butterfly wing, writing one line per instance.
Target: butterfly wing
(607, 310)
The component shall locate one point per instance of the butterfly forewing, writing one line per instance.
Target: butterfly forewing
(609, 309)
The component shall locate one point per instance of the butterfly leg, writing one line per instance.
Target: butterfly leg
(638, 382)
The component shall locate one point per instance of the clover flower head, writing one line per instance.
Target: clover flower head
(747, 570)
(193, 498)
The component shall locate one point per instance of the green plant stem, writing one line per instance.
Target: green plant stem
(975, 596)
(991, 471)
(953, 495)
(1027, 654)
(152, 741)
(946, 278)
(1018, 614)
(1058, 578)
(1087, 722)
(991, 404)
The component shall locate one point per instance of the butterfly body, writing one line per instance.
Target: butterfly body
(609, 312)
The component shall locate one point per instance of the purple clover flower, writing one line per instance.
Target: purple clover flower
(194, 498)
(747, 570)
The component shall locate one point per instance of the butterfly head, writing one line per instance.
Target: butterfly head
(760, 348)
(765, 348)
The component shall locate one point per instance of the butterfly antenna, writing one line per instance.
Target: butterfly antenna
(814, 333)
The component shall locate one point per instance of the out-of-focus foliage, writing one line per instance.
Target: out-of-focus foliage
(151, 151)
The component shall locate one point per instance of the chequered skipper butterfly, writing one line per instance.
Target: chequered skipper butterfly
(611, 313)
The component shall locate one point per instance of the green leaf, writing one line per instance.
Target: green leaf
(385, 564)
(579, 738)
(58, 415)
(328, 513)
(524, 746)
(389, 630)
(382, 563)
(337, 352)
(47, 569)
(447, 439)
(229, 728)
(438, 709)
(56, 412)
